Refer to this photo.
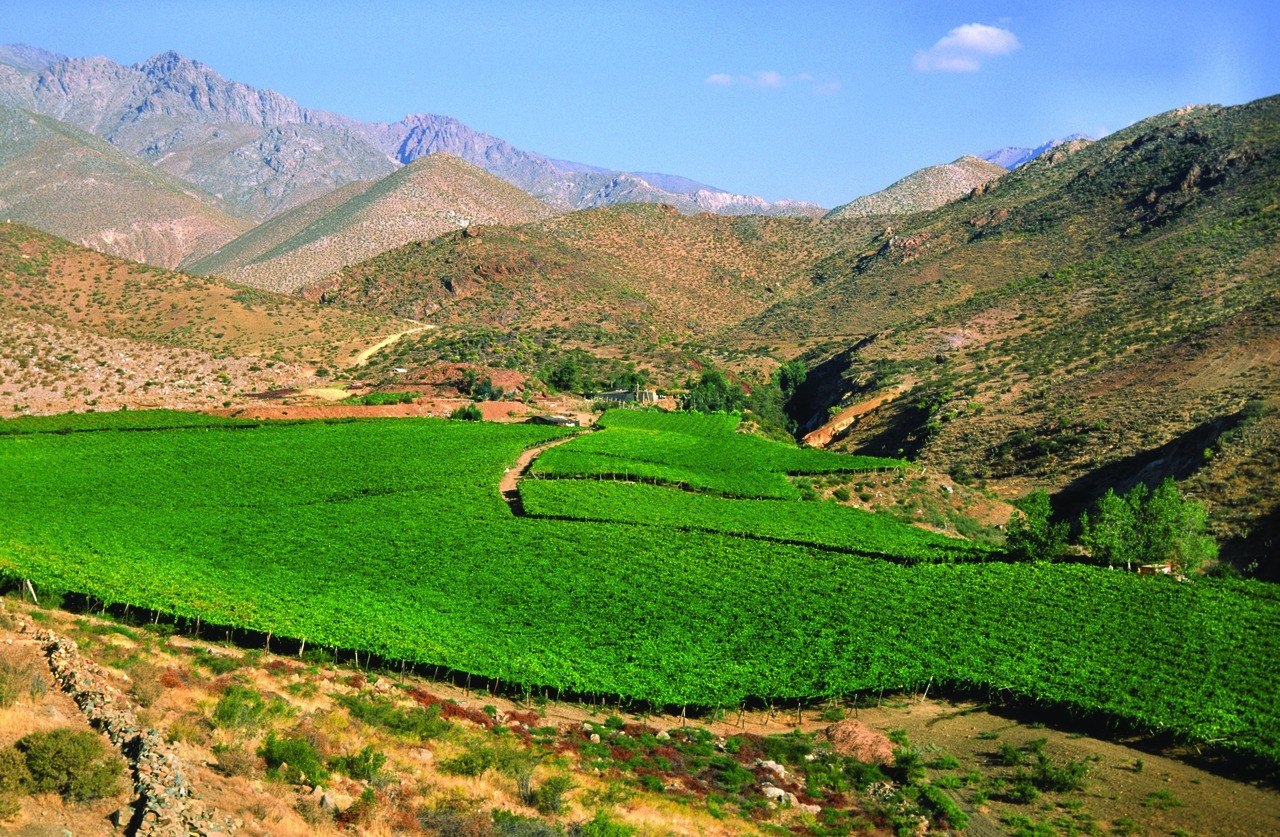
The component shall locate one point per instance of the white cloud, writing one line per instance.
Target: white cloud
(773, 80)
(965, 48)
(770, 79)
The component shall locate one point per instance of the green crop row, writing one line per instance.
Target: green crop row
(390, 536)
(117, 420)
(821, 524)
(697, 451)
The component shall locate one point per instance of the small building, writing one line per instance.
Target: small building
(1156, 569)
(628, 396)
(556, 420)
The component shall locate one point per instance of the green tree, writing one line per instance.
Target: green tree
(1149, 527)
(714, 392)
(1033, 536)
(1173, 529)
(566, 375)
(1110, 531)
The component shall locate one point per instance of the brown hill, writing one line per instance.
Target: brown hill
(425, 198)
(47, 280)
(923, 190)
(628, 281)
(72, 184)
(1101, 316)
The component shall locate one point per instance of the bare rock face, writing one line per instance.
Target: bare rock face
(857, 740)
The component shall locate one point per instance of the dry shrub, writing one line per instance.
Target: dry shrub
(20, 679)
(173, 678)
(186, 730)
(236, 761)
(146, 687)
(312, 812)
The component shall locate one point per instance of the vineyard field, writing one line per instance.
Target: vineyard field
(821, 524)
(703, 452)
(391, 536)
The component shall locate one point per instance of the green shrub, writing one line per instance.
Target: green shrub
(243, 708)
(416, 722)
(943, 807)
(469, 412)
(603, 825)
(73, 763)
(550, 795)
(364, 766)
(15, 778)
(471, 763)
(1008, 755)
(293, 760)
(1060, 777)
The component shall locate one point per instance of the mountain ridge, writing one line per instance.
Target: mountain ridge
(1013, 156)
(187, 119)
(80, 187)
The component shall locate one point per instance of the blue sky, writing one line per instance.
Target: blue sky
(812, 100)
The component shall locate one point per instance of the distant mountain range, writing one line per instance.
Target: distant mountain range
(1013, 156)
(264, 153)
(928, 188)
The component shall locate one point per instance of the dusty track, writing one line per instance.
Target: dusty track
(363, 358)
(509, 487)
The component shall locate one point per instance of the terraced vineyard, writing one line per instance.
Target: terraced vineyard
(391, 537)
(694, 450)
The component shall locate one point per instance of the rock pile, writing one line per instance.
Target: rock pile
(166, 804)
(853, 738)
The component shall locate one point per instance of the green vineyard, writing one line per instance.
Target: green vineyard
(391, 536)
(821, 525)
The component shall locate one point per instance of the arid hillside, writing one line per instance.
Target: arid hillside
(73, 184)
(642, 281)
(49, 281)
(1095, 319)
(420, 201)
(923, 190)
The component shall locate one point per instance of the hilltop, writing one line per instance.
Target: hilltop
(431, 195)
(75, 185)
(642, 283)
(923, 190)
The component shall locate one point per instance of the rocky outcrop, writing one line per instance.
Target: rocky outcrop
(166, 804)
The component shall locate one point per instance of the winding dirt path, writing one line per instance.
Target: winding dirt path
(363, 358)
(509, 487)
